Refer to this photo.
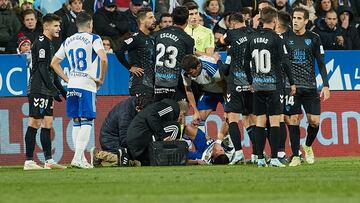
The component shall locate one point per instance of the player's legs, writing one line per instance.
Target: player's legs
(235, 135)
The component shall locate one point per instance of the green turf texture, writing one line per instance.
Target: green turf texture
(328, 180)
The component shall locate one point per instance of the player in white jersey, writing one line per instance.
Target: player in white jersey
(208, 151)
(205, 72)
(83, 50)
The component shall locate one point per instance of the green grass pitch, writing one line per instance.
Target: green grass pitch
(328, 180)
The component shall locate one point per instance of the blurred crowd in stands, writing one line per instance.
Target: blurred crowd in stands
(336, 21)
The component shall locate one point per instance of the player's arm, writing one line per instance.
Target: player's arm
(285, 62)
(190, 45)
(247, 62)
(59, 86)
(55, 63)
(319, 55)
(103, 67)
(128, 44)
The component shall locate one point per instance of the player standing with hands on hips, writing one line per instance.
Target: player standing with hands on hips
(83, 51)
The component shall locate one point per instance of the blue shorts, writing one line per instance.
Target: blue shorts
(201, 144)
(210, 100)
(80, 103)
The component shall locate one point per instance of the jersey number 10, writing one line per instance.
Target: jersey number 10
(78, 60)
(262, 60)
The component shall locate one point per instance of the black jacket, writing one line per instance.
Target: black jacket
(114, 128)
(328, 36)
(111, 24)
(133, 26)
(351, 35)
(151, 121)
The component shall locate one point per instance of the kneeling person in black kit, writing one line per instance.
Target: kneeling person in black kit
(157, 122)
(114, 128)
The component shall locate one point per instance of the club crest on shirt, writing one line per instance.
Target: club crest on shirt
(42, 53)
(308, 41)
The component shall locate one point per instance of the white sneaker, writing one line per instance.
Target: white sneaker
(31, 165)
(51, 164)
(254, 158)
(276, 163)
(86, 164)
(80, 165)
(238, 158)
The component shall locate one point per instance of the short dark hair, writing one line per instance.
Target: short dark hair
(191, 5)
(141, 14)
(268, 14)
(284, 18)
(164, 15)
(222, 159)
(82, 19)
(301, 10)
(189, 62)
(331, 11)
(180, 15)
(28, 12)
(50, 17)
(236, 17)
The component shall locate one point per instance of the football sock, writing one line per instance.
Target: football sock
(46, 142)
(282, 137)
(75, 131)
(235, 135)
(311, 135)
(30, 142)
(250, 131)
(274, 140)
(260, 138)
(82, 140)
(294, 134)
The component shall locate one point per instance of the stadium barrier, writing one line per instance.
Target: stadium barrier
(340, 120)
(339, 134)
(342, 67)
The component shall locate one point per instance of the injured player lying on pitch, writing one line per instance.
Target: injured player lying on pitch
(207, 150)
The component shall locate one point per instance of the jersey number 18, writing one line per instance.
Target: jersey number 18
(78, 60)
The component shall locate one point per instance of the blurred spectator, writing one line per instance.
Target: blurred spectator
(247, 15)
(346, 21)
(330, 32)
(262, 4)
(28, 4)
(354, 6)
(68, 26)
(63, 10)
(134, 7)
(108, 44)
(24, 47)
(203, 37)
(201, 20)
(110, 22)
(213, 10)
(31, 28)
(166, 20)
(91, 6)
(48, 6)
(9, 26)
(323, 6)
(236, 5)
(283, 5)
(309, 6)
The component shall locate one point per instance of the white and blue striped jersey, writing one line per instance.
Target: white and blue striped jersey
(81, 51)
(227, 145)
(208, 77)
